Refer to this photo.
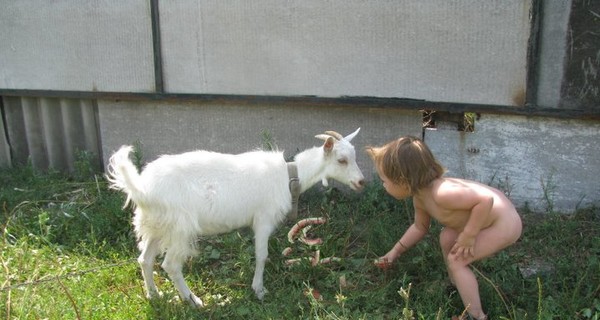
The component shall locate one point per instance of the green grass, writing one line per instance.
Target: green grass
(68, 252)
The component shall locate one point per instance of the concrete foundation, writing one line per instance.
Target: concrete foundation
(163, 128)
(542, 163)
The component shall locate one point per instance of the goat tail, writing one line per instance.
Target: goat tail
(122, 175)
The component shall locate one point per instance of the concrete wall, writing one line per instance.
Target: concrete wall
(542, 163)
(163, 128)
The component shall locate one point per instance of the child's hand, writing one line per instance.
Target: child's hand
(382, 263)
(464, 247)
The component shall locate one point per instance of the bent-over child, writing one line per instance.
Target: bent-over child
(477, 220)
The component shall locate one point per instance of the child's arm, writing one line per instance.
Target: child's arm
(412, 236)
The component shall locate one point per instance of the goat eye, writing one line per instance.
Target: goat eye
(343, 161)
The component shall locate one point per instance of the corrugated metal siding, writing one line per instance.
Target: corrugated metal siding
(50, 132)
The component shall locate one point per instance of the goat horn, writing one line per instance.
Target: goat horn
(335, 135)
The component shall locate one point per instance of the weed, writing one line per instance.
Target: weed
(593, 311)
(85, 165)
(268, 141)
(137, 155)
(468, 124)
(549, 189)
(503, 185)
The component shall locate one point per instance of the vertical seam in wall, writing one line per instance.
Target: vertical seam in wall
(156, 45)
(98, 133)
(533, 54)
(201, 48)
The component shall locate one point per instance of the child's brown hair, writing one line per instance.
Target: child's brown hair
(406, 160)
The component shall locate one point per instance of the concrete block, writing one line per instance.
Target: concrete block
(536, 268)
(543, 163)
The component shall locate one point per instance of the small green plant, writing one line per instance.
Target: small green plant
(407, 313)
(549, 190)
(502, 184)
(468, 124)
(85, 165)
(268, 141)
(44, 227)
(138, 156)
(593, 312)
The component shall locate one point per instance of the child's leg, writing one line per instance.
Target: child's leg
(461, 275)
(488, 242)
(447, 240)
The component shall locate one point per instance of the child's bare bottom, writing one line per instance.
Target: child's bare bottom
(500, 235)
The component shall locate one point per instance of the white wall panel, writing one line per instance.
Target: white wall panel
(454, 51)
(84, 45)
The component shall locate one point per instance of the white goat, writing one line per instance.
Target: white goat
(179, 198)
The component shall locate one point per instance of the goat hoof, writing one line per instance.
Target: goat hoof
(260, 293)
(195, 301)
(153, 294)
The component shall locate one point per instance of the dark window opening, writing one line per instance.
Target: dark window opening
(464, 121)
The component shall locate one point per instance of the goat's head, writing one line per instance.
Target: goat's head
(340, 160)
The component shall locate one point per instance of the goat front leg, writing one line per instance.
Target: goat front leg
(173, 264)
(262, 232)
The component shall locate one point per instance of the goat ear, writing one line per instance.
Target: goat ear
(328, 145)
(352, 135)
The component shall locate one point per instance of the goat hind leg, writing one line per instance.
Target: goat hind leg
(173, 265)
(150, 249)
